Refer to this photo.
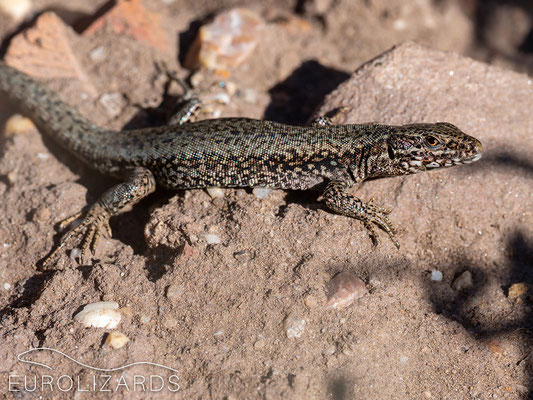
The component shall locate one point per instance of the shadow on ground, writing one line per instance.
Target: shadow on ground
(295, 99)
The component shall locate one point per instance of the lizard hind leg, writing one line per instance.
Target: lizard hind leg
(338, 200)
(331, 119)
(139, 183)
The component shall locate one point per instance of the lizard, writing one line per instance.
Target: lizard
(236, 153)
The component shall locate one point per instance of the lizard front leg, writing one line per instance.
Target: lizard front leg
(338, 200)
(139, 183)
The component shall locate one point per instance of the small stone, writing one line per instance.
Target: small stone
(215, 192)
(464, 281)
(16, 9)
(7, 286)
(102, 314)
(211, 238)
(343, 289)
(75, 253)
(494, 347)
(174, 292)
(226, 42)
(261, 192)
(517, 290)
(294, 326)
(113, 103)
(43, 156)
(249, 96)
(145, 319)
(98, 54)
(170, 322)
(12, 177)
(347, 351)
(17, 124)
(116, 339)
(436, 275)
(310, 301)
(259, 344)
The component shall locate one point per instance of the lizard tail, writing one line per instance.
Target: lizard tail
(49, 113)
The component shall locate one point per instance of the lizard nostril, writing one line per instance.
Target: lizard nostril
(477, 147)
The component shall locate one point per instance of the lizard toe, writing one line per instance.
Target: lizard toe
(91, 225)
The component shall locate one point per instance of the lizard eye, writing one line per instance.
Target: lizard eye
(432, 141)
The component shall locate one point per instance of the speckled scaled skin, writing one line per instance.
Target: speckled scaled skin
(238, 152)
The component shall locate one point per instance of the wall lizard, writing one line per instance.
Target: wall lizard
(236, 152)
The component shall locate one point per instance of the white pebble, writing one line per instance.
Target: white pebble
(464, 281)
(43, 156)
(98, 54)
(17, 9)
(75, 253)
(343, 289)
(294, 326)
(215, 192)
(7, 286)
(103, 314)
(436, 275)
(399, 24)
(211, 238)
(261, 192)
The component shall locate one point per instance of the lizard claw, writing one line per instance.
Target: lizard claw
(93, 222)
(376, 208)
(378, 216)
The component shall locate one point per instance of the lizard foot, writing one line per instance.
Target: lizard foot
(376, 215)
(93, 221)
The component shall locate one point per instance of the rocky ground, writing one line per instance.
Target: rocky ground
(232, 291)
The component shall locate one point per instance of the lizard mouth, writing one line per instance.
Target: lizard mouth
(472, 158)
(446, 162)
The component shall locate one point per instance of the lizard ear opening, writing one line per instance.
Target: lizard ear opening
(390, 150)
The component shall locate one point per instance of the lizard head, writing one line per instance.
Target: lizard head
(418, 147)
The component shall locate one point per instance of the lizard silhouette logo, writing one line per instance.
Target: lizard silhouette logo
(98, 380)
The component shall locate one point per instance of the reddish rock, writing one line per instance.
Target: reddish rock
(45, 51)
(129, 17)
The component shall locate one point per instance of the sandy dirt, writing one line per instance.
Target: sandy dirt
(220, 313)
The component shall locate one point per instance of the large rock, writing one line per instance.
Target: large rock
(470, 209)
